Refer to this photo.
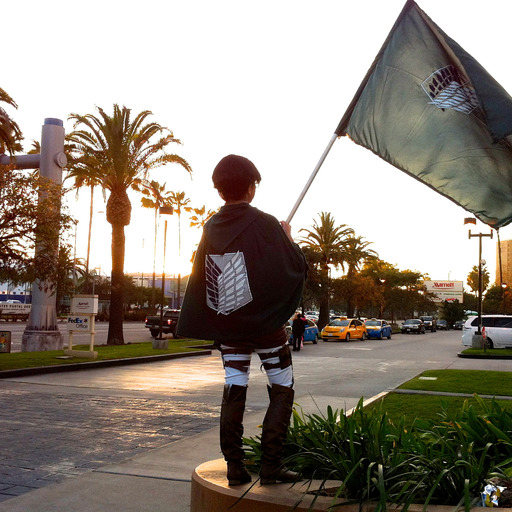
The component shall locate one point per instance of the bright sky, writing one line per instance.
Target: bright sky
(267, 79)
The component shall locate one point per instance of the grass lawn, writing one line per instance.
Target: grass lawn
(454, 381)
(426, 407)
(17, 360)
(488, 352)
(480, 382)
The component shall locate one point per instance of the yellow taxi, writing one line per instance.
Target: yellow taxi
(344, 329)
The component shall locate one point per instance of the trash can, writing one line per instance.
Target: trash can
(5, 341)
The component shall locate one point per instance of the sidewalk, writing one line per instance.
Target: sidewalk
(156, 481)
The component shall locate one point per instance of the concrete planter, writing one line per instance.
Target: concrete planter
(210, 493)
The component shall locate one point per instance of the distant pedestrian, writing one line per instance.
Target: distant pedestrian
(298, 329)
(246, 282)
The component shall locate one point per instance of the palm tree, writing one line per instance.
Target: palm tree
(201, 216)
(84, 176)
(119, 152)
(154, 197)
(329, 242)
(10, 133)
(357, 253)
(199, 219)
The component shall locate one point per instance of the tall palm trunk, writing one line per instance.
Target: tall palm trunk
(153, 282)
(350, 298)
(115, 326)
(89, 240)
(118, 214)
(323, 316)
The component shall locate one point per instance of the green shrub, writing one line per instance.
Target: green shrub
(443, 461)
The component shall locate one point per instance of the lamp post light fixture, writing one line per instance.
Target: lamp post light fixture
(481, 263)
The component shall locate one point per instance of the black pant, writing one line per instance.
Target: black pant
(297, 341)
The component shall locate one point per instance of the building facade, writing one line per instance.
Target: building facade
(505, 276)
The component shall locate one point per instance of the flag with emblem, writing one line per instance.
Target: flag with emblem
(430, 109)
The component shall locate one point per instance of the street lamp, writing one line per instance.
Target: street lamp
(163, 210)
(481, 262)
(75, 222)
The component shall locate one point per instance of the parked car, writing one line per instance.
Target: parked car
(498, 330)
(459, 324)
(413, 325)
(310, 334)
(443, 325)
(378, 328)
(430, 323)
(346, 329)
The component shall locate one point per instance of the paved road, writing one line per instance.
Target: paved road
(59, 425)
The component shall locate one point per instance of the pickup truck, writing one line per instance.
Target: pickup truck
(430, 323)
(169, 323)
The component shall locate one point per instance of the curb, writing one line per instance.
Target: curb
(24, 372)
(447, 393)
(482, 356)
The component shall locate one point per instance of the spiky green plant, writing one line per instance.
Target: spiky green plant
(446, 460)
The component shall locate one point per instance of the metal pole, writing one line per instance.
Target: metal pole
(312, 177)
(480, 283)
(480, 287)
(160, 337)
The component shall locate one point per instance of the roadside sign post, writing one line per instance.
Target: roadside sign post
(5, 341)
(82, 319)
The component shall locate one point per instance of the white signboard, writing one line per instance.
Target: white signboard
(14, 308)
(84, 304)
(445, 290)
(79, 323)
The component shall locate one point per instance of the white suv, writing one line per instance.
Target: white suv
(498, 330)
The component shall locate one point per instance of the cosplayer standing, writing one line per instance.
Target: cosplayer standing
(246, 282)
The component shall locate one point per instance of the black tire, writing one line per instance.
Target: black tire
(489, 343)
(389, 335)
(315, 341)
(154, 333)
(347, 338)
(363, 337)
(380, 336)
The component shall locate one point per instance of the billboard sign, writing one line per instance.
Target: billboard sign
(448, 291)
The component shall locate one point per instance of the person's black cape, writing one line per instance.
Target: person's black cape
(276, 270)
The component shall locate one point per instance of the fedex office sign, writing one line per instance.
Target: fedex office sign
(445, 290)
(79, 323)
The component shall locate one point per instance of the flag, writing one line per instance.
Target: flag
(430, 109)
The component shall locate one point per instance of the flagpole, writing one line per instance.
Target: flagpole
(312, 177)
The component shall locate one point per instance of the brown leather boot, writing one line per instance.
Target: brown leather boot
(231, 431)
(275, 427)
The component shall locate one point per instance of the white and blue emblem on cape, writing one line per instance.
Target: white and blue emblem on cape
(227, 284)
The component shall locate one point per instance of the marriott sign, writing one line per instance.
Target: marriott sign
(445, 290)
